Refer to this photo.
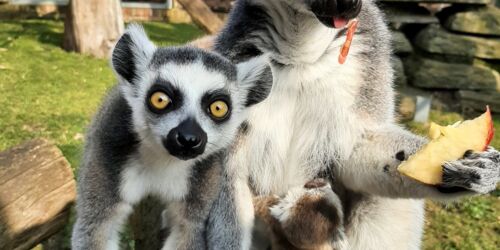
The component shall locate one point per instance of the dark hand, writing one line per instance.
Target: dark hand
(476, 172)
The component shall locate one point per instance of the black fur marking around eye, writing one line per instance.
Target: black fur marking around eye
(123, 59)
(261, 88)
(400, 156)
(173, 93)
(217, 95)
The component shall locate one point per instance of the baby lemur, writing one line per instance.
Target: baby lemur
(165, 130)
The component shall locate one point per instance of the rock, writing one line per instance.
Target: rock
(426, 73)
(406, 14)
(475, 102)
(400, 43)
(399, 73)
(442, 1)
(490, 64)
(484, 21)
(434, 39)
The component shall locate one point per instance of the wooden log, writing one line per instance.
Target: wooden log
(37, 189)
(93, 26)
(202, 15)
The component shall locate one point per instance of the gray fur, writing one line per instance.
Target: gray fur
(127, 156)
(361, 142)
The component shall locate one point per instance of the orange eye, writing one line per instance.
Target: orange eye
(159, 100)
(219, 109)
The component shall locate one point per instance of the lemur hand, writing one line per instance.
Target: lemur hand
(476, 172)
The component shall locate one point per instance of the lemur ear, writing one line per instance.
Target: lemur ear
(132, 53)
(256, 77)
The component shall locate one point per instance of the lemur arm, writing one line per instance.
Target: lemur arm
(224, 228)
(372, 168)
(100, 212)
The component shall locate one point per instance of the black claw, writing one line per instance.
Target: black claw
(468, 153)
(400, 156)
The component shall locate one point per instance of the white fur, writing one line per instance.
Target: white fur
(112, 228)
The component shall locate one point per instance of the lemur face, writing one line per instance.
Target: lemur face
(184, 100)
(329, 12)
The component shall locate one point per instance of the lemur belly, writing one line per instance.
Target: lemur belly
(296, 132)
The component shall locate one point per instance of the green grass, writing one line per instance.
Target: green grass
(470, 224)
(47, 92)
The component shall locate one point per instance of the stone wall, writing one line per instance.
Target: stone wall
(447, 49)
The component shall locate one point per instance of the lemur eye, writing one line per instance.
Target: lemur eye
(219, 109)
(159, 100)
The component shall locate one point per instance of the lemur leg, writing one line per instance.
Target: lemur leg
(186, 233)
(372, 168)
(308, 217)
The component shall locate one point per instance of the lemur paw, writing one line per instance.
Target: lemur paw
(476, 172)
(311, 216)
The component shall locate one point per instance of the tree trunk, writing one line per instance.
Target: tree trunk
(93, 26)
(37, 189)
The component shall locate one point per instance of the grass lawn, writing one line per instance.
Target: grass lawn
(47, 92)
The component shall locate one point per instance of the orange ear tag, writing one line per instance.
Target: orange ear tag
(344, 51)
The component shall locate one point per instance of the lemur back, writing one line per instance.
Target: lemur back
(166, 130)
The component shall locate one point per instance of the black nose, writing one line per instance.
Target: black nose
(186, 141)
(326, 10)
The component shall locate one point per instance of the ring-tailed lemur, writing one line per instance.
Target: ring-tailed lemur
(324, 117)
(165, 130)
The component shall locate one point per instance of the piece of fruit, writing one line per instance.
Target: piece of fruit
(448, 143)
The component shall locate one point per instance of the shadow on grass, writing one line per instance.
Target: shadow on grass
(171, 34)
(44, 31)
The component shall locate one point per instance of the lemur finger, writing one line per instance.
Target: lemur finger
(480, 175)
(491, 153)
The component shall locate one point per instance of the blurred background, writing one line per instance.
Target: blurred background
(54, 72)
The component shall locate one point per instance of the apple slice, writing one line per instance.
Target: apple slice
(448, 143)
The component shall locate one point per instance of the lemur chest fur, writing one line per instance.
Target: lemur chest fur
(160, 176)
(296, 133)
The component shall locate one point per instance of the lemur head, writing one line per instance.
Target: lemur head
(331, 13)
(185, 101)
